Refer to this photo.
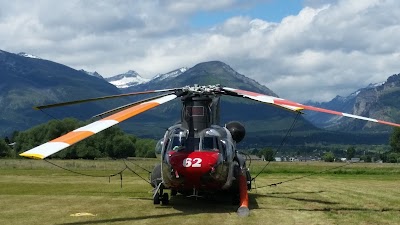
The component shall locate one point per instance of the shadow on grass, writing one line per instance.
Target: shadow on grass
(185, 205)
(328, 209)
(338, 209)
(218, 203)
(283, 195)
(124, 219)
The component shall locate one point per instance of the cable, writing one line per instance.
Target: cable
(109, 176)
(297, 178)
(281, 144)
(247, 156)
(83, 174)
(127, 167)
(49, 115)
(139, 166)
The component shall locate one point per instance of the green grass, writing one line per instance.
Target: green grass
(36, 192)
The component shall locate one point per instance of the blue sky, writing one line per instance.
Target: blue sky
(273, 11)
(302, 50)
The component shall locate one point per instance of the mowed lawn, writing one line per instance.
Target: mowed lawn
(36, 192)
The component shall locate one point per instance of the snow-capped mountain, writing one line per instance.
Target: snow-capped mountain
(170, 74)
(128, 79)
(94, 74)
(365, 101)
(24, 54)
(132, 78)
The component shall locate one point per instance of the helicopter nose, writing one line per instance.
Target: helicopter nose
(193, 165)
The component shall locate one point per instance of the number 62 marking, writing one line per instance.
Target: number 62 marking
(189, 162)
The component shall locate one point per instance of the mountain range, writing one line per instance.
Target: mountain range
(28, 80)
(379, 100)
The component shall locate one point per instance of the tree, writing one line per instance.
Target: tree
(393, 157)
(145, 148)
(7, 140)
(395, 140)
(267, 153)
(328, 157)
(5, 149)
(350, 153)
(123, 147)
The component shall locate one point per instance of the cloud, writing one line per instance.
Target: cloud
(328, 48)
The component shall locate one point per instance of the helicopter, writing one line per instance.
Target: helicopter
(197, 155)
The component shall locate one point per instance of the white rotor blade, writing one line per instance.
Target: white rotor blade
(294, 106)
(53, 146)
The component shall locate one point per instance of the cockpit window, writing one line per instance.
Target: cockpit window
(177, 140)
(210, 139)
(210, 143)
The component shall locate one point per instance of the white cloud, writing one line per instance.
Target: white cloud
(326, 49)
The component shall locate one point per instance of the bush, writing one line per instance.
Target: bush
(5, 149)
(328, 157)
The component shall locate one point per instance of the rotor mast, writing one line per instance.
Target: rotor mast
(200, 107)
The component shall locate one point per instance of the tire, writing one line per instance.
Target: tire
(165, 199)
(156, 199)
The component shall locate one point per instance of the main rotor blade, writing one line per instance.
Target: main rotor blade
(294, 106)
(260, 97)
(102, 98)
(126, 106)
(53, 146)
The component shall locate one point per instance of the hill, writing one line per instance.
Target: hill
(30, 81)
(376, 101)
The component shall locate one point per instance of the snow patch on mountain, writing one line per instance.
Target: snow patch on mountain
(128, 79)
(375, 85)
(170, 74)
(28, 55)
(94, 74)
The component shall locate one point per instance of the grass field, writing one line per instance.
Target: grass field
(36, 192)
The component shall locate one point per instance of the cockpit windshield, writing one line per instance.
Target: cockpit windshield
(210, 140)
(177, 139)
(213, 139)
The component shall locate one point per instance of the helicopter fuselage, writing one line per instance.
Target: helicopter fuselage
(204, 162)
(197, 154)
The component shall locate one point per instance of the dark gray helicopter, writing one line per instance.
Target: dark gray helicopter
(198, 156)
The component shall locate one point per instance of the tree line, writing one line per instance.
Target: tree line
(335, 153)
(115, 143)
(392, 156)
(110, 143)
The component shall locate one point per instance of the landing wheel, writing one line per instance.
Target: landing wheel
(156, 199)
(165, 199)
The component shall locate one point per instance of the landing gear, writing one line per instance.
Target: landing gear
(156, 199)
(159, 196)
(165, 199)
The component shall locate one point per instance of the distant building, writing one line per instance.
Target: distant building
(254, 157)
(355, 160)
